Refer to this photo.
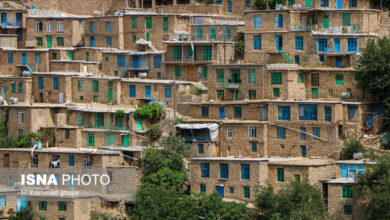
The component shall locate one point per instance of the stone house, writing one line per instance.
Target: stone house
(104, 31)
(15, 61)
(13, 22)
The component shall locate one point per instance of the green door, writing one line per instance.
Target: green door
(99, 120)
(110, 139)
(49, 41)
(4, 92)
(125, 140)
(308, 4)
(325, 21)
(235, 76)
(110, 91)
(235, 95)
(70, 56)
(139, 124)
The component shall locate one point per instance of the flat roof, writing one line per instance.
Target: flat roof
(64, 150)
(303, 162)
(362, 161)
(249, 159)
(244, 102)
(341, 181)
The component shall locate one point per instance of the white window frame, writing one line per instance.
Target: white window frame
(229, 133)
(37, 29)
(49, 27)
(60, 26)
(252, 132)
(20, 117)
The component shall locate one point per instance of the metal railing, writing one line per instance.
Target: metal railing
(137, 65)
(308, 117)
(106, 127)
(342, 50)
(197, 138)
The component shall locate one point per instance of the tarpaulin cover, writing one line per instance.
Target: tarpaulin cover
(212, 127)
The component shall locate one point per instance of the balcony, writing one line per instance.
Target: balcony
(231, 85)
(197, 138)
(137, 65)
(107, 127)
(301, 27)
(343, 50)
(9, 23)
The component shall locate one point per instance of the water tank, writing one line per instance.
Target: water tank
(346, 95)
(14, 100)
(26, 73)
(357, 156)
(97, 13)
(143, 75)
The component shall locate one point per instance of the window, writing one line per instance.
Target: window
(60, 26)
(351, 112)
(302, 133)
(278, 21)
(276, 92)
(20, 87)
(108, 27)
(48, 27)
(90, 140)
(121, 61)
(134, 22)
(346, 19)
(3, 201)
(147, 36)
(56, 83)
(205, 170)
(61, 206)
(313, 19)
(10, 58)
(291, 2)
(13, 87)
(157, 62)
(257, 21)
(237, 112)
(205, 71)
(42, 205)
(252, 76)
(316, 133)
(80, 85)
(284, 113)
(203, 188)
(252, 94)
(229, 133)
(91, 27)
(257, 42)
(300, 78)
(298, 43)
(37, 58)
(314, 92)
(38, 26)
(131, 91)
(245, 171)
(95, 86)
(254, 146)
(339, 79)
(60, 41)
(247, 3)
(315, 79)
(280, 132)
(165, 24)
(207, 53)
(134, 38)
(276, 78)
(252, 132)
(224, 171)
(231, 189)
(280, 174)
(40, 82)
(34, 161)
(328, 113)
(352, 45)
(227, 32)
(247, 192)
(177, 52)
(200, 148)
(80, 23)
(148, 21)
(71, 160)
(20, 116)
(324, 3)
(220, 94)
(213, 32)
(67, 134)
(307, 112)
(323, 45)
(168, 91)
(54, 56)
(108, 41)
(177, 71)
(347, 192)
(92, 41)
(39, 41)
(347, 209)
(205, 111)
(220, 76)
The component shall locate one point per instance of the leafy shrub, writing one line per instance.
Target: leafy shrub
(195, 90)
(240, 45)
(178, 121)
(351, 147)
(153, 112)
(120, 113)
(155, 131)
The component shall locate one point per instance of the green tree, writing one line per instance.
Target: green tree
(373, 73)
(24, 214)
(154, 112)
(374, 185)
(350, 147)
(295, 200)
(175, 144)
(240, 45)
(262, 4)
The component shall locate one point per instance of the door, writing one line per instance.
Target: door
(92, 41)
(61, 97)
(49, 42)
(308, 3)
(339, 62)
(4, 92)
(18, 18)
(192, 73)
(337, 44)
(24, 59)
(110, 98)
(4, 17)
(147, 92)
(303, 151)
(139, 124)
(230, 7)
(125, 140)
(221, 112)
(99, 121)
(338, 3)
(20, 203)
(109, 139)
(220, 190)
(6, 161)
(325, 21)
(235, 76)
(136, 61)
(279, 42)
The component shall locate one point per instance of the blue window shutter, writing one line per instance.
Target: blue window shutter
(168, 92)
(56, 83)
(132, 91)
(344, 170)
(71, 160)
(40, 82)
(360, 169)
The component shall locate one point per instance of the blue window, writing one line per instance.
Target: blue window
(280, 133)
(245, 171)
(92, 27)
(360, 169)
(351, 112)
(38, 58)
(205, 111)
(257, 21)
(278, 21)
(168, 90)
(237, 112)
(284, 113)
(230, 6)
(71, 181)
(19, 16)
(56, 85)
(121, 61)
(307, 112)
(322, 58)
(257, 42)
(71, 160)
(40, 82)
(19, 34)
(223, 171)
(221, 112)
(92, 41)
(352, 45)
(108, 27)
(219, 2)
(323, 45)
(302, 133)
(328, 113)
(297, 60)
(201, 148)
(254, 146)
(4, 17)
(324, 3)
(147, 91)
(205, 170)
(298, 43)
(344, 170)
(316, 133)
(131, 91)
(108, 41)
(3, 201)
(247, 3)
(10, 58)
(157, 62)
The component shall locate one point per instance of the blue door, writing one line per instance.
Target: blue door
(18, 18)
(221, 112)
(230, 6)
(92, 41)
(279, 42)
(220, 190)
(338, 3)
(4, 17)
(303, 151)
(147, 92)
(337, 44)
(136, 61)
(20, 203)
(339, 62)
(24, 59)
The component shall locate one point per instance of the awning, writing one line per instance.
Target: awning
(211, 127)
